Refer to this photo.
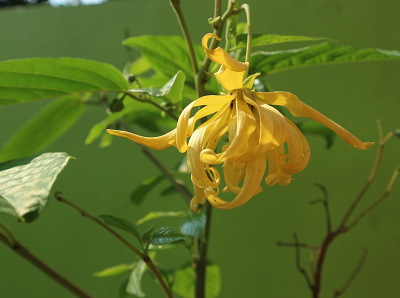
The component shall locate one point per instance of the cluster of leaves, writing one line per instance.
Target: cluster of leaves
(156, 86)
(181, 279)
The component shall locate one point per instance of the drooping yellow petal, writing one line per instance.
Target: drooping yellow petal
(255, 171)
(220, 56)
(273, 128)
(157, 143)
(300, 109)
(242, 125)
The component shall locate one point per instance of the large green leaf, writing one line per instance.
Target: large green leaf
(166, 54)
(39, 78)
(269, 39)
(25, 183)
(321, 54)
(51, 122)
(184, 281)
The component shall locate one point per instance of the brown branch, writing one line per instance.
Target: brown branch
(300, 245)
(343, 227)
(8, 239)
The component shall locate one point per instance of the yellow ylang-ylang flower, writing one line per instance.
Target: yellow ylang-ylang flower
(259, 136)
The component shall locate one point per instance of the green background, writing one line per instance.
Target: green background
(243, 240)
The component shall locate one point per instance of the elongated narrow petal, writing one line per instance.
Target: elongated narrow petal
(185, 126)
(300, 109)
(220, 56)
(157, 143)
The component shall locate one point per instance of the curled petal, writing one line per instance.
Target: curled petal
(185, 126)
(281, 165)
(300, 109)
(157, 143)
(220, 56)
(199, 197)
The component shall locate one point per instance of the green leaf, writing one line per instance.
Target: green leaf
(316, 128)
(40, 78)
(396, 132)
(114, 270)
(26, 183)
(140, 192)
(194, 225)
(122, 224)
(43, 129)
(166, 235)
(146, 237)
(321, 54)
(134, 285)
(159, 214)
(106, 140)
(268, 39)
(166, 54)
(172, 89)
(184, 281)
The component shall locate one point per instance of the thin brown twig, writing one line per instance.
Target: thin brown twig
(183, 191)
(371, 178)
(141, 255)
(353, 275)
(8, 239)
(298, 265)
(343, 227)
(301, 245)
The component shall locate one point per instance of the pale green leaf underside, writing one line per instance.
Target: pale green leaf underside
(26, 183)
(269, 39)
(172, 89)
(159, 214)
(44, 128)
(194, 225)
(40, 78)
(321, 54)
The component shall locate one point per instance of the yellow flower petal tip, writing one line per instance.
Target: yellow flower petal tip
(260, 139)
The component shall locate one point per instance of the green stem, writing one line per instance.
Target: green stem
(201, 264)
(141, 255)
(218, 25)
(246, 7)
(175, 4)
(8, 239)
